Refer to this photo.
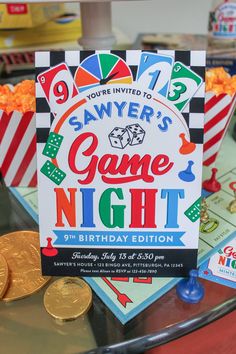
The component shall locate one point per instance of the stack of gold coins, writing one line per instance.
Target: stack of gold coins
(20, 276)
(20, 271)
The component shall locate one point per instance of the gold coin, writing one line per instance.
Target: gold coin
(68, 298)
(22, 252)
(4, 276)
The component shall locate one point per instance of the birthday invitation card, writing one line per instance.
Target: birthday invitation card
(119, 149)
(221, 267)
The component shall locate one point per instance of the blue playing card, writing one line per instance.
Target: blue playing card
(154, 72)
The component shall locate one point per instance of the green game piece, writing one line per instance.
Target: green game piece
(193, 212)
(52, 172)
(52, 146)
(50, 150)
(198, 203)
(55, 139)
(57, 176)
(48, 168)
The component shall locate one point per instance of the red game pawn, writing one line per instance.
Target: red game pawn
(187, 147)
(49, 251)
(212, 185)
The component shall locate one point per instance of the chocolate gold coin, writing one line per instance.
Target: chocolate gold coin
(4, 276)
(68, 298)
(22, 252)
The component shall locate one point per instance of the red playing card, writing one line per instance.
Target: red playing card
(58, 86)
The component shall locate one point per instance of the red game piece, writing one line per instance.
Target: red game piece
(187, 147)
(212, 185)
(49, 251)
(232, 186)
(232, 205)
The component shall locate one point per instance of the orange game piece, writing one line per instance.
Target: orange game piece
(187, 146)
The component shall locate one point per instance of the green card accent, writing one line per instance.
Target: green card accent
(52, 172)
(183, 80)
(52, 146)
(193, 212)
(107, 62)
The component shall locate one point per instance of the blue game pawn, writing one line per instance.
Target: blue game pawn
(187, 175)
(190, 290)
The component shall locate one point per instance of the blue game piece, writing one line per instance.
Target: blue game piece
(190, 290)
(187, 175)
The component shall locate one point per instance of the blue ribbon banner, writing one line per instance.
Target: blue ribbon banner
(119, 239)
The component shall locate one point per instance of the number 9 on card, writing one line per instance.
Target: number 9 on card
(58, 86)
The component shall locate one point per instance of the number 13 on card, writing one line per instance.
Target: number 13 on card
(58, 86)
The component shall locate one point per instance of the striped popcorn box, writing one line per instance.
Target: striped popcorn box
(18, 148)
(218, 112)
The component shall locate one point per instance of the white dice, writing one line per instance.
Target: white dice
(136, 134)
(119, 138)
(132, 134)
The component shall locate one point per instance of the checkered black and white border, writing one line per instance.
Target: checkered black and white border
(193, 112)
